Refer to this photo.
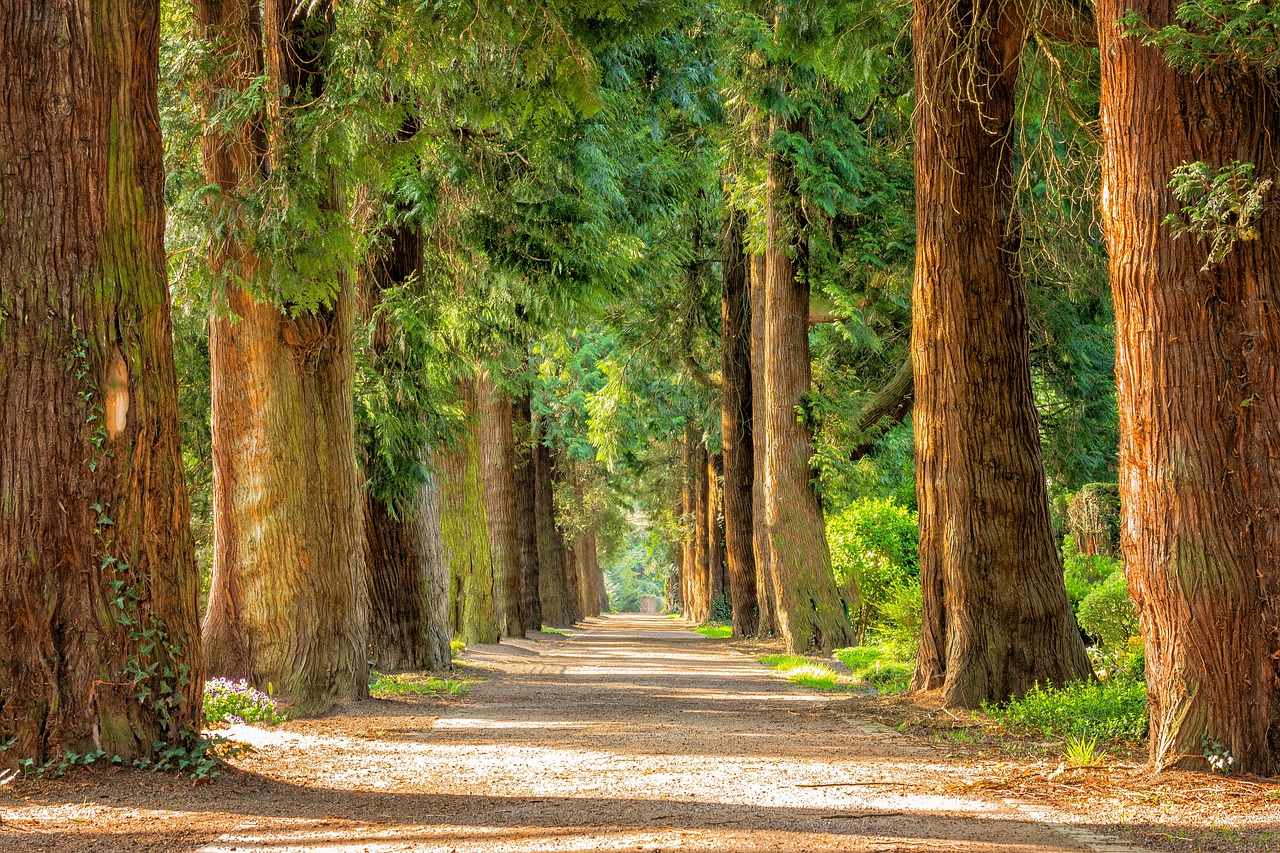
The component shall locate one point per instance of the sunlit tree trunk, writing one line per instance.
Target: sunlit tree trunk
(766, 595)
(526, 514)
(464, 526)
(96, 555)
(735, 423)
(811, 612)
(288, 603)
(1197, 370)
(996, 617)
(498, 452)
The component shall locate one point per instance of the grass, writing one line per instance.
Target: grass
(715, 631)
(806, 673)
(1107, 711)
(415, 684)
(881, 665)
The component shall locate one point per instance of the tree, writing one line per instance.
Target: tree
(288, 599)
(98, 580)
(996, 616)
(1196, 369)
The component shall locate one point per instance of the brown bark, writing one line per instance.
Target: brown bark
(996, 618)
(811, 610)
(498, 453)
(735, 424)
(766, 595)
(288, 603)
(553, 589)
(1197, 370)
(526, 514)
(88, 395)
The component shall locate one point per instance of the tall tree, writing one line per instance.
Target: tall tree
(1197, 368)
(98, 579)
(288, 603)
(996, 616)
(735, 425)
(811, 612)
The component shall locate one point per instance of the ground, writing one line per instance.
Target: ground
(631, 734)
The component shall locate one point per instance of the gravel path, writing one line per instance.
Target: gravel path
(631, 735)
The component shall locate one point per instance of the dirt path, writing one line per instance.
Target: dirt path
(631, 735)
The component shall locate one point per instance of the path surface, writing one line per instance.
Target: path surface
(631, 735)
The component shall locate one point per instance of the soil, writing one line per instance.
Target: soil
(634, 734)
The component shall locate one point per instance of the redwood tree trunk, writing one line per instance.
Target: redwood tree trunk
(766, 595)
(498, 451)
(996, 617)
(526, 514)
(464, 527)
(88, 395)
(811, 611)
(1197, 370)
(735, 424)
(288, 603)
(552, 586)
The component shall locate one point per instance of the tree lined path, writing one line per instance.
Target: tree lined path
(631, 734)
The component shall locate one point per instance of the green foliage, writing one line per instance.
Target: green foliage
(887, 665)
(1219, 205)
(227, 701)
(874, 545)
(1114, 710)
(1107, 613)
(1241, 34)
(382, 686)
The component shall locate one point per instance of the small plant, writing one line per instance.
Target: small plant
(1219, 205)
(419, 684)
(1082, 751)
(227, 701)
(1219, 757)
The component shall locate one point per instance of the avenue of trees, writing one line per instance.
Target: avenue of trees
(331, 333)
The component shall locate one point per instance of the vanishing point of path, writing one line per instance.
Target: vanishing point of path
(631, 735)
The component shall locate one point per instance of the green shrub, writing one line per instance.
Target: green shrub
(1107, 613)
(1114, 710)
(885, 666)
(873, 551)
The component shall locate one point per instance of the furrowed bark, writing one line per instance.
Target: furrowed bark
(996, 617)
(95, 540)
(1197, 371)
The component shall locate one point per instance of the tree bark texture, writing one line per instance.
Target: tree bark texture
(1197, 355)
(498, 453)
(464, 526)
(996, 617)
(526, 514)
(766, 595)
(95, 541)
(553, 589)
(288, 603)
(811, 611)
(735, 427)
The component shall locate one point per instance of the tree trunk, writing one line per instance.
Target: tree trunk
(408, 584)
(498, 449)
(811, 612)
(766, 595)
(464, 527)
(552, 586)
(1197, 370)
(288, 604)
(735, 424)
(96, 551)
(526, 514)
(996, 617)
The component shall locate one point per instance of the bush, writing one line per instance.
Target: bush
(227, 701)
(1107, 613)
(873, 551)
(1113, 710)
